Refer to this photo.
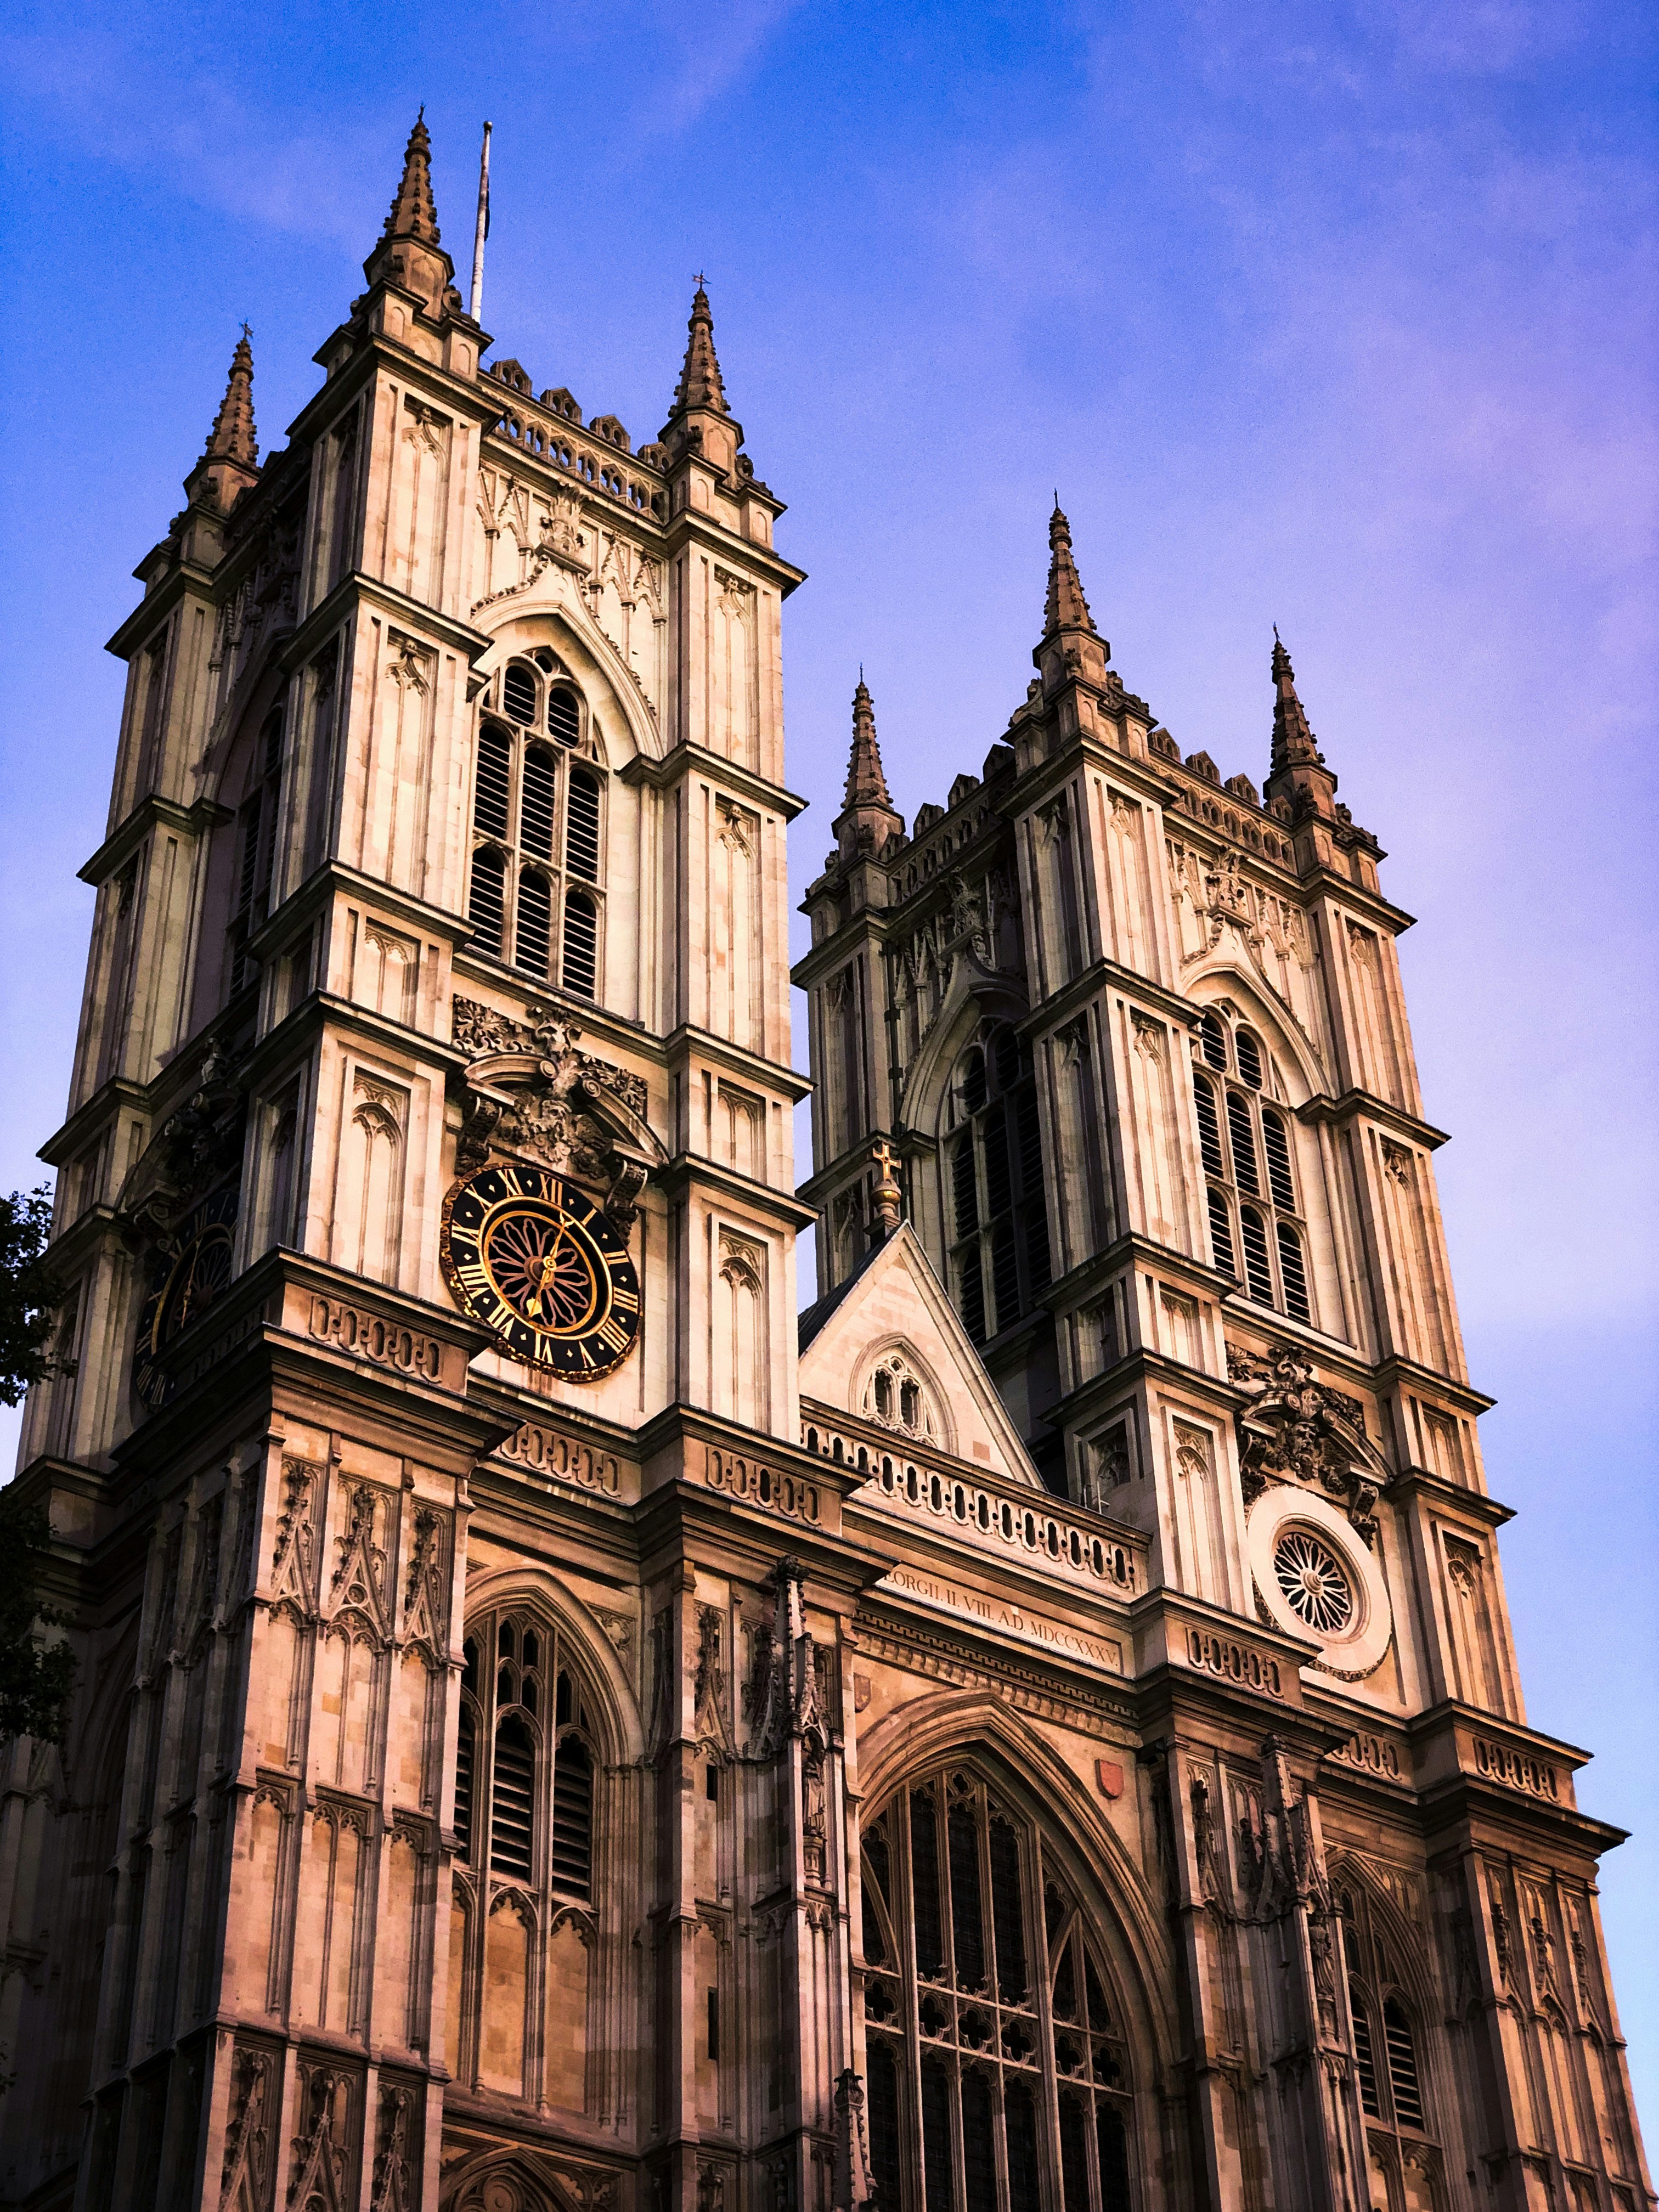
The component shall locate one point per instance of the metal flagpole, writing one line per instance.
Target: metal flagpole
(482, 230)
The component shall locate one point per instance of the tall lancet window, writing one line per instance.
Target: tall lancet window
(996, 1209)
(1247, 1147)
(537, 892)
(998, 2073)
(523, 1925)
(255, 855)
(1390, 2079)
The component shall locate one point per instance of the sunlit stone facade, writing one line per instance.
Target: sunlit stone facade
(551, 1735)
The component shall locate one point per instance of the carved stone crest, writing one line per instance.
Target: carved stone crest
(1296, 1430)
(530, 1090)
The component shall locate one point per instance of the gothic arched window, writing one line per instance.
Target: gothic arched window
(999, 2072)
(523, 1923)
(996, 1208)
(531, 1813)
(1387, 2067)
(256, 845)
(1245, 1144)
(539, 826)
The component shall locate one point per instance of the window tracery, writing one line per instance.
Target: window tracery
(896, 1397)
(536, 893)
(998, 2073)
(1257, 1230)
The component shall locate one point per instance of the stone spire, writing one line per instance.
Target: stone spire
(232, 437)
(866, 786)
(868, 818)
(1070, 644)
(1298, 771)
(1293, 741)
(413, 212)
(230, 460)
(699, 384)
(700, 426)
(1065, 608)
(409, 253)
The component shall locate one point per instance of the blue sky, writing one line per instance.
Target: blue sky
(1339, 316)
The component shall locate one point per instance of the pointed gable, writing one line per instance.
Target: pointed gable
(893, 1316)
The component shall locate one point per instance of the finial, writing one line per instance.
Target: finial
(1293, 740)
(699, 384)
(232, 437)
(413, 214)
(867, 784)
(886, 1194)
(1066, 608)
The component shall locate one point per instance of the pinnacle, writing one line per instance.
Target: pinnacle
(699, 384)
(1065, 607)
(413, 214)
(866, 785)
(1293, 740)
(232, 437)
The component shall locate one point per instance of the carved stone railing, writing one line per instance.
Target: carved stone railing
(598, 465)
(1034, 1526)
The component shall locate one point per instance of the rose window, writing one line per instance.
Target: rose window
(1314, 1584)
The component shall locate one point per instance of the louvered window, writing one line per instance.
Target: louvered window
(974, 1918)
(1221, 1234)
(964, 1190)
(1246, 1149)
(1402, 2064)
(1258, 1272)
(1388, 2065)
(581, 940)
(997, 1202)
(522, 866)
(535, 929)
(581, 831)
(1242, 1134)
(464, 1765)
(564, 716)
(1209, 1131)
(513, 1800)
(972, 1283)
(1365, 2055)
(572, 1817)
(529, 1791)
(486, 904)
(540, 801)
(1275, 1145)
(1292, 1272)
(257, 822)
(493, 794)
(519, 691)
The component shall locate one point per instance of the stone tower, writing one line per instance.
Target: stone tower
(1134, 1041)
(526, 1756)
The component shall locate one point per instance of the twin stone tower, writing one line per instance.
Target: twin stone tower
(556, 1731)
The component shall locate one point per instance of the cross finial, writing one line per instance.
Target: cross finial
(700, 279)
(886, 1194)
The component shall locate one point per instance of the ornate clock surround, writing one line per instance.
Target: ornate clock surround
(553, 1151)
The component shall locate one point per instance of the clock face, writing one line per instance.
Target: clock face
(190, 1275)
(540, 1264)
